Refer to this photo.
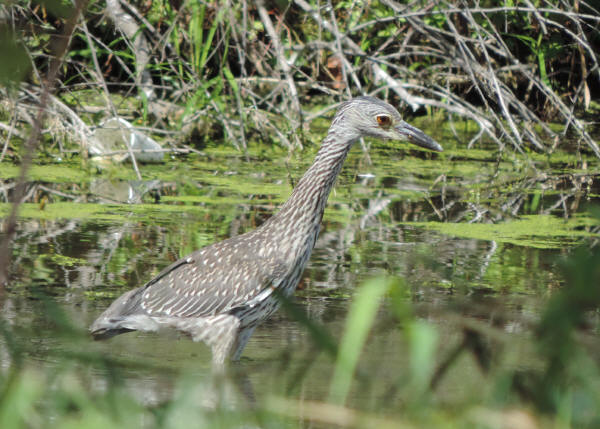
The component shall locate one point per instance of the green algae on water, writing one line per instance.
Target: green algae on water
(539, 231)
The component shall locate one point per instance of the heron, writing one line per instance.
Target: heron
(219, 294)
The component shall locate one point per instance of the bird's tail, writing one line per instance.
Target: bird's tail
(106, 333)
(119, 318)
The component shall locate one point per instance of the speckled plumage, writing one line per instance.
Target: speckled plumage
(220, 293)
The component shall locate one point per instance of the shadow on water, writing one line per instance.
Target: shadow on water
(476, 242)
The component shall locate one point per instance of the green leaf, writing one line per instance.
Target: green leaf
(423, 340)
(359, 323)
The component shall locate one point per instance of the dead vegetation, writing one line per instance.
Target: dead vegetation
(252, 69)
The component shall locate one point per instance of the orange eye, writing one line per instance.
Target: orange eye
(384, 121)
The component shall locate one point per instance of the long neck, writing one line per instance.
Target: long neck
(296, 225)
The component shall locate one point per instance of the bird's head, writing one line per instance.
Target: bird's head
(371, 117)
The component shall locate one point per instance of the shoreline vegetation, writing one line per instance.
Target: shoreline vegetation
(236, 71)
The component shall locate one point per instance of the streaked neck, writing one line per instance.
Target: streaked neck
(297, 222)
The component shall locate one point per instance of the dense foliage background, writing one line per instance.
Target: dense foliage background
(233, 70)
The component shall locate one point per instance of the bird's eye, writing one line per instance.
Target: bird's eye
(384, 120)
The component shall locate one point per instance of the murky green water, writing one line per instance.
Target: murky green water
(476, 237)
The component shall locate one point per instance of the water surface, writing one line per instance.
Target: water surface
(475, 236)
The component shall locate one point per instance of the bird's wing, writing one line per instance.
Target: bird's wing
(210, 281)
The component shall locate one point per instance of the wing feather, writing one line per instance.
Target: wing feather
(211, 281)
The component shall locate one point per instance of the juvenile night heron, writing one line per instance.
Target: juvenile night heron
(220, 293)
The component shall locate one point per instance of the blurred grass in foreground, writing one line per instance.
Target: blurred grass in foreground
(562, 390)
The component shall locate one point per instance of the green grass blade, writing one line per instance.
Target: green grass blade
(358, 324)
(423, 340)
(197, 34)
(207, 46)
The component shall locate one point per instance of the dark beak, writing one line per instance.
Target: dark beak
(418, 137)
